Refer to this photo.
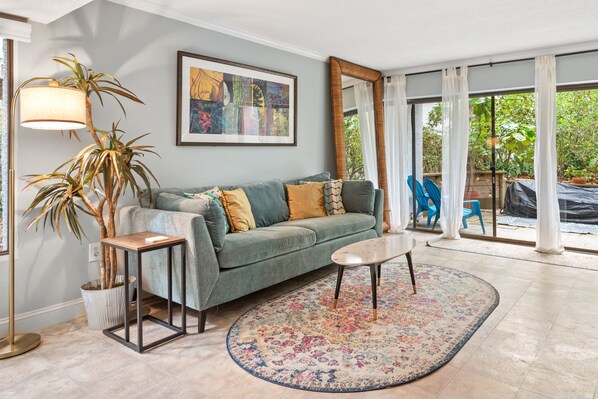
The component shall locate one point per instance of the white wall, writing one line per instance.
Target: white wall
(140, 49)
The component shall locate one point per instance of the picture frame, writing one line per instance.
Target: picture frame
(221, 102)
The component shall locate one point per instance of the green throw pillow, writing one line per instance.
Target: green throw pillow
(359, 196)
(208, 208)
(214, 194)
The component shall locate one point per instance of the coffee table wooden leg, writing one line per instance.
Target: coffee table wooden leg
(410, 263)
(339, 279)
(374, 298)
(379, 273)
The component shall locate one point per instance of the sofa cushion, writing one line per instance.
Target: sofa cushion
(268, 202)
(238, 210)
(334, 226)
(359, 196)
(263, 243)
(208, 208)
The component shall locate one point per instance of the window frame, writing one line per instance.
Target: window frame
(9, 99)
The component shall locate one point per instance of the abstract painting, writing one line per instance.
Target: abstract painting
(226, 103)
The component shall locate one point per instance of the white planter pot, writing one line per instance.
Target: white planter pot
(106, 308)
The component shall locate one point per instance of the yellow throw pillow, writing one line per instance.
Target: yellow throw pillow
(238, 210)
(306, 201)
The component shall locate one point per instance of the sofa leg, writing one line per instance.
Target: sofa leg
(202, 321)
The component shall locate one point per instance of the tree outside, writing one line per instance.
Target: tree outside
(577, 135)
(355, 170)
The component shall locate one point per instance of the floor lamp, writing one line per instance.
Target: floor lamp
(51, 107)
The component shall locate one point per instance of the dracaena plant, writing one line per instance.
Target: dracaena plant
(93, 181)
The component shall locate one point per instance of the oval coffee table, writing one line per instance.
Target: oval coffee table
(373, 253)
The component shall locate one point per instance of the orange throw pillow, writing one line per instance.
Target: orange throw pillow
(238, 210)
(306, 201)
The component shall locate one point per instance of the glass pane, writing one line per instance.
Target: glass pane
(516, 134)
(577, 168)
(428, 161)
(477, 204)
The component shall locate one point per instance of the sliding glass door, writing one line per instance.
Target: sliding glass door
(500, 190)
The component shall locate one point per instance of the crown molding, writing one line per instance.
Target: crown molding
(165, 11)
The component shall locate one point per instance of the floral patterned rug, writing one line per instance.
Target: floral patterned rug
(299, 341)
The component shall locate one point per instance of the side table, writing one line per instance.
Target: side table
(135, 243)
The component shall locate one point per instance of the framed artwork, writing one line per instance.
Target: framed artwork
(225, 103)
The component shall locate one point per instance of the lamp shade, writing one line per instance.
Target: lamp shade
(53, 108)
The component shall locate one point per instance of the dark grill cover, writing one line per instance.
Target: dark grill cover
(577, 204)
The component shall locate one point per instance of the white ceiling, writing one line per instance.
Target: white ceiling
(382, 34)
(42, 11)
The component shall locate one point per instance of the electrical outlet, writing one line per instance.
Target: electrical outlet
(94, 252)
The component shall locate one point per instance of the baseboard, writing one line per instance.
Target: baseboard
(44, 317)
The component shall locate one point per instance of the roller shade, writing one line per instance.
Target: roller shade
(570, 69)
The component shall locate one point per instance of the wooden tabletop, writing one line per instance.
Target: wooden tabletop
(374, 251)
(136, 242)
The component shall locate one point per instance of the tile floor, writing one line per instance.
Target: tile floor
(541, 342)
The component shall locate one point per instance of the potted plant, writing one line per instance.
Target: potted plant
(92, 183)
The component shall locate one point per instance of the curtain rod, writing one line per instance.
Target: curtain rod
(504, 62)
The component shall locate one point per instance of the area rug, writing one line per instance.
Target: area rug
(298, 341)
(566, 227)
(511, 251)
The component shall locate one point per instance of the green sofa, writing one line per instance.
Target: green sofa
(247, 262)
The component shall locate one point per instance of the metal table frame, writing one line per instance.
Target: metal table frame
(178, 331)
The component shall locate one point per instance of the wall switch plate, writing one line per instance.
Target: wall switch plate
(94, 252)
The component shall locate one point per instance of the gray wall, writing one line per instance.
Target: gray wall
(140, 49)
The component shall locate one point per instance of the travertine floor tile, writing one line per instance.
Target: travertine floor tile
(466, 384)
(556, 385)
(566, 352)
(437, 381)
(500, 366)
(525, 394)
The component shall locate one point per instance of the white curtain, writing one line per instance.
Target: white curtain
(396, 136)
(455, 138)
(367, 130)
(548, 233)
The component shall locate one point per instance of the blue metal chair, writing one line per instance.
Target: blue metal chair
(435, 196)
(423, 199)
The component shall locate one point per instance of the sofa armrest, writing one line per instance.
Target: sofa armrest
(202, 264)
(379, 211)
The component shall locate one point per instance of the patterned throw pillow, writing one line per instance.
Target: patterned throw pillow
(333, 199)
(214, 194)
